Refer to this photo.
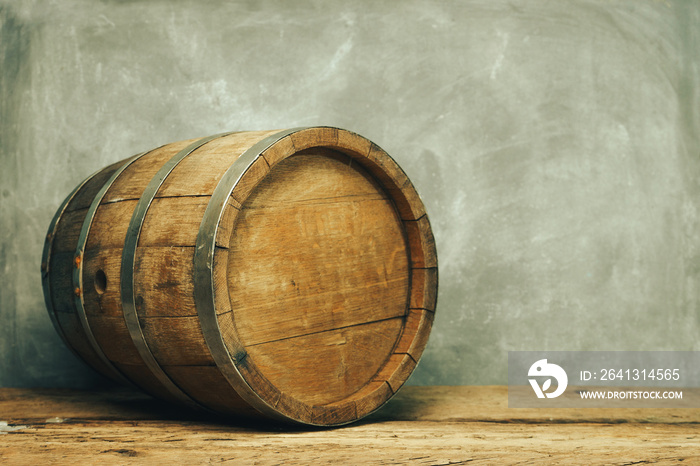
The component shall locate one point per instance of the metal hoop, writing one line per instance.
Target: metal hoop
(127, 270)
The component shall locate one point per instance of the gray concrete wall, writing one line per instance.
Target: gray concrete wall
(555, 145)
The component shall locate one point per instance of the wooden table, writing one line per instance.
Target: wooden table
(421, 425)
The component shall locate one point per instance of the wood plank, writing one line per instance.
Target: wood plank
(396, 371)
(397, 443)
(328, 249)
(421, 425)
(421, 242)
(112, 335)
(199, 173)
(253, 175)
(424, 288)
(104, 298)
(337, 363)
(339, 179)
(354, 143)
(206, 385)
(227, 223)
(338, 285)
(395, 181)
(84, 197)
(415, 333)
(433, 404)
(489, 403)
(68, 231)
(133, 181)
(408, 202)
(371, 397)
(335, 413)
(61, 281)
(144, 379)
(314, 137)
(282, 149)
(75, 335)
(230, 336)
(222, 300)
(163, 281)
(109, 225)
(176, 340)
(173, 221)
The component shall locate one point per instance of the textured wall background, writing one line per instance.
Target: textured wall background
(555, 144)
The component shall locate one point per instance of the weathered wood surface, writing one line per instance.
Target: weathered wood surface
(324, 273)
(421, 425)
(318, 277)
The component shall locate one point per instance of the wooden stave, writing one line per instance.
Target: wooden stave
(65, 321)
(184, 374)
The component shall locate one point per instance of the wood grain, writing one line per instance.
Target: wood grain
(422, 243)
(163, 283)
(61, 265)
(424, 288)
(415, 333)
(278, 151)
(113, 337)
(87, 193)
(61, 281)
(108, 300)
(68, 231)
(144, 379)
(109, 225)
(395, 182)
(173, 221)
(133, 181)
(319, 241)
(176, 341)
(253, 175)
(420, 425)
(324, 273)
(73, 330)
(396, 371)
(199, 173)
(315, 137)
(208, 387)
(318, 277)
(344, 359)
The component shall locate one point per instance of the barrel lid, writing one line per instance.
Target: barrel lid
(316, 276)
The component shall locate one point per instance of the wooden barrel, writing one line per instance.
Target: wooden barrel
(285, 274)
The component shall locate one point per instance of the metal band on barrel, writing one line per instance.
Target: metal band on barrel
(127, 270)
(46, 263)
(204, 273)
(78, 270)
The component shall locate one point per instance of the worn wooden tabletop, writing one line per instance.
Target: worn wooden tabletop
(421, 425)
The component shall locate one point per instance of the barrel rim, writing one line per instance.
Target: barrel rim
(231, 358)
